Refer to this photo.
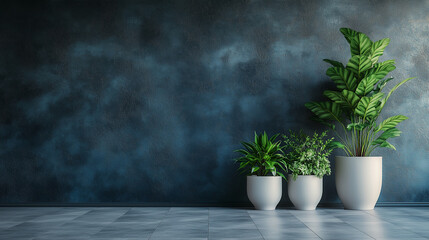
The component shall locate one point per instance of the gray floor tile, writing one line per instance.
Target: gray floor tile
(55, 218)
(176, 238)
(139, 218)
(100, 216)
(219, 225)
(292, 233)
(246, 238)
(183, 225)
(6, 225)
(234, 233)
(183, 233)
(316, 217)
(211, 223)
(21, 234)
(327, 230)
(385, 230)
(277, 222)
(185, 218)
(231, 219)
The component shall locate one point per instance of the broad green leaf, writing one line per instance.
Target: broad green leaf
(335, 144)
(264, 139)
(258, 148)
(387, 144)
(367, 106)
(380, 70)
(381, 84)
(359, 64)
(271, 148)
(242, 151)
(366, 85)
(254, 169)
(360, 45)
(347, 99)
(343, 78)
(282, 164)
(357, 126)
(390, 123)
(325, 110)
(351, 98)
(256, 139)
(273, 138)
(335, 96)
(377, 49)
(249, 147)
(391, 133)
(243, 165)
(269, 165)
(349, 34)
(328, 124)
(384, 100)
(391, 61)
(334, 63)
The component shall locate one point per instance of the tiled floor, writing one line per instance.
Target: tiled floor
(212, 223)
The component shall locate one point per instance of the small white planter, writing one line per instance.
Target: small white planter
(264, 192)
(305, 192)
(358, 181)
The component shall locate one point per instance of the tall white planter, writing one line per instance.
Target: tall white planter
(305, 192)
(358, 181)
(264, 192)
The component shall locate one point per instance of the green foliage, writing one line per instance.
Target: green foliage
(358, 101)
(307, 155)
(262, 157)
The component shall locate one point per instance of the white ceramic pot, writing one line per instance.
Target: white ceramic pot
(305, 192)
(264, 192)
(358, 181)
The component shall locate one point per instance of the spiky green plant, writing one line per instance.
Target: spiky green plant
(357, 102)
(262, 157)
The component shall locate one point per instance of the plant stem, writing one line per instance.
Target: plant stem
(346, 143)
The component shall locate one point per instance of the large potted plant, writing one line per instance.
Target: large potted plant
(263, 162)
(307, 163)
(355, 106)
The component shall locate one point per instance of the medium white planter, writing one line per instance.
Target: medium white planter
(358, 181)
(264, 192)
(305, 192)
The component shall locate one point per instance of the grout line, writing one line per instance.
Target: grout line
(208, 223)
(259, 231)
(299, 220)
(342, 221)
(356, 228)
(107, 223)
(395, 224)
(150, 236)
(359, 230)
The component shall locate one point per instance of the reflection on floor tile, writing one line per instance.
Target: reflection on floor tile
(211, 223)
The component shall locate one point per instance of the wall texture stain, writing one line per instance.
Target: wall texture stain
(145, 101)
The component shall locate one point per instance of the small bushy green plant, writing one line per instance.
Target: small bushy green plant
(262, 157)
(308, 155)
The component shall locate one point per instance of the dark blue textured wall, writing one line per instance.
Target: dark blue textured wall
(146, 101)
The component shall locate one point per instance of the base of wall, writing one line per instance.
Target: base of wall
(233, 205)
